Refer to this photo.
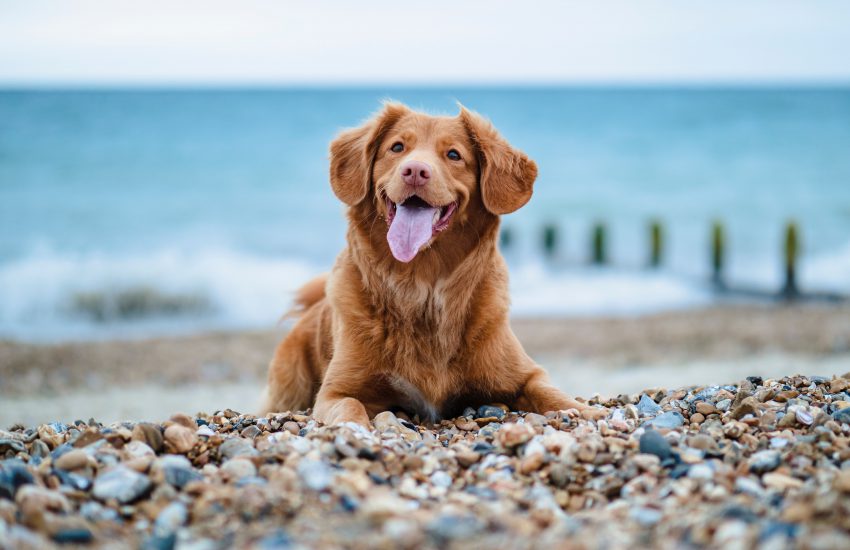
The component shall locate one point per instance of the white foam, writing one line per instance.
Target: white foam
(249, 290)
(244, 290)
(538, 291)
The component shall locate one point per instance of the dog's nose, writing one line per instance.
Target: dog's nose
(414, 172)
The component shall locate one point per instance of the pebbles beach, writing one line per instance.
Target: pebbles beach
(761, 463)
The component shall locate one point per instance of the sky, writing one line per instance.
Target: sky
(333, 42)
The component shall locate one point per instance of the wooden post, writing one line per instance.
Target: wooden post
(550, 240)
(506, 237)
(791, 253)
(599, 252)
(656, 243)
(718, 254)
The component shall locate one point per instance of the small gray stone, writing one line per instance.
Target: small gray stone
(701, 472)
(315, 474)
(13, 474)
(669, 420)
(445, 528)
(490, 411)
(653, 443)
(842, 415)
(239, 468)
(73, 535)
(723, 405)
(176, 470)
(441, 479)
(749, 486)
(122, 484)
(645, 516)
(171, 518)
(236, 446)
(647, 407)
(764, 461)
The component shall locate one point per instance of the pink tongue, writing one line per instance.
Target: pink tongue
(409, 230)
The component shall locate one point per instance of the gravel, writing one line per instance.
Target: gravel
(764, 463)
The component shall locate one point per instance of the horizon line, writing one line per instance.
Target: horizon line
(471, 85)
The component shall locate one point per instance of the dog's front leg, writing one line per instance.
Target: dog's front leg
(347, 389)
(336, 409)
(539, 395)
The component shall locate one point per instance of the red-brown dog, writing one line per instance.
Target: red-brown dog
(414, 314)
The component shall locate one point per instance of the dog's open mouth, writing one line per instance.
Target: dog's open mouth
(413, 222)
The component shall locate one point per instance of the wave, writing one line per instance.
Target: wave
(50, 295)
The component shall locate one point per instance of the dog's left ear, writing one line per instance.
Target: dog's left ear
(507, 174)
(353, 154)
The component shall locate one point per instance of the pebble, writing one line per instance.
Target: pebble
(239, 468)
(490, 411)
(176, 470)
(764, 461)
(73, 535)
(705, 409)
(842, 415)
(513, 435)
(315, 474)
(121, 484)
(781, 482)
(149, 434)
(236, 446)
(731, 466)
(13, 475)
(171, 518)
(647, 407)
(652, 442)
(667, 420)
(441, 479)
(179, 439)
(72, 460)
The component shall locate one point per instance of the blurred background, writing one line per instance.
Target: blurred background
(163, 184)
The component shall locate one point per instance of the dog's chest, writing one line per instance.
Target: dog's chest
(421, 325)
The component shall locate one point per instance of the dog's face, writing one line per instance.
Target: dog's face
(423, 174)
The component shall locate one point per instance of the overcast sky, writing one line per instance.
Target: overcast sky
(179, 42)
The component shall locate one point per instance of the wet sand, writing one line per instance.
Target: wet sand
(152, 378)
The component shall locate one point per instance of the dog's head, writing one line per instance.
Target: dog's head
(425, 174)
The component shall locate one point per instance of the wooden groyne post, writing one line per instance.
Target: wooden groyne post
(791, 252)
(656, 243)
(599, 245)
(550, 240)
(718, 253)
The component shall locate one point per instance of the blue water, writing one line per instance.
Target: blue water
(104, 190)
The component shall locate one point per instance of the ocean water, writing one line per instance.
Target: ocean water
(136, 212)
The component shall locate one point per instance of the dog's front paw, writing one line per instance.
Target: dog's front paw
(595, 413)
(341, 411)
(587, 412)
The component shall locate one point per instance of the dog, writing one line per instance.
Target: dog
(414, 314)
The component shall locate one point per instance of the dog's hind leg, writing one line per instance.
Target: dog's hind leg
(292, 382)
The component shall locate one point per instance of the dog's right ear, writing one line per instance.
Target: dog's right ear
(353, 154)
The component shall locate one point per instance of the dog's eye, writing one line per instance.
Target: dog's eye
(397, 147)
(453, 154)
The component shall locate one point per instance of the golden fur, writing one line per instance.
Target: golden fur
(430, 336)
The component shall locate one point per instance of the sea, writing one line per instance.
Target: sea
(130, 213)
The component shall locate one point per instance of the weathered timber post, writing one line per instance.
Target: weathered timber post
(550, 240)
(791, 252)
(599, 252)
(656, 243)
(718, 254)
